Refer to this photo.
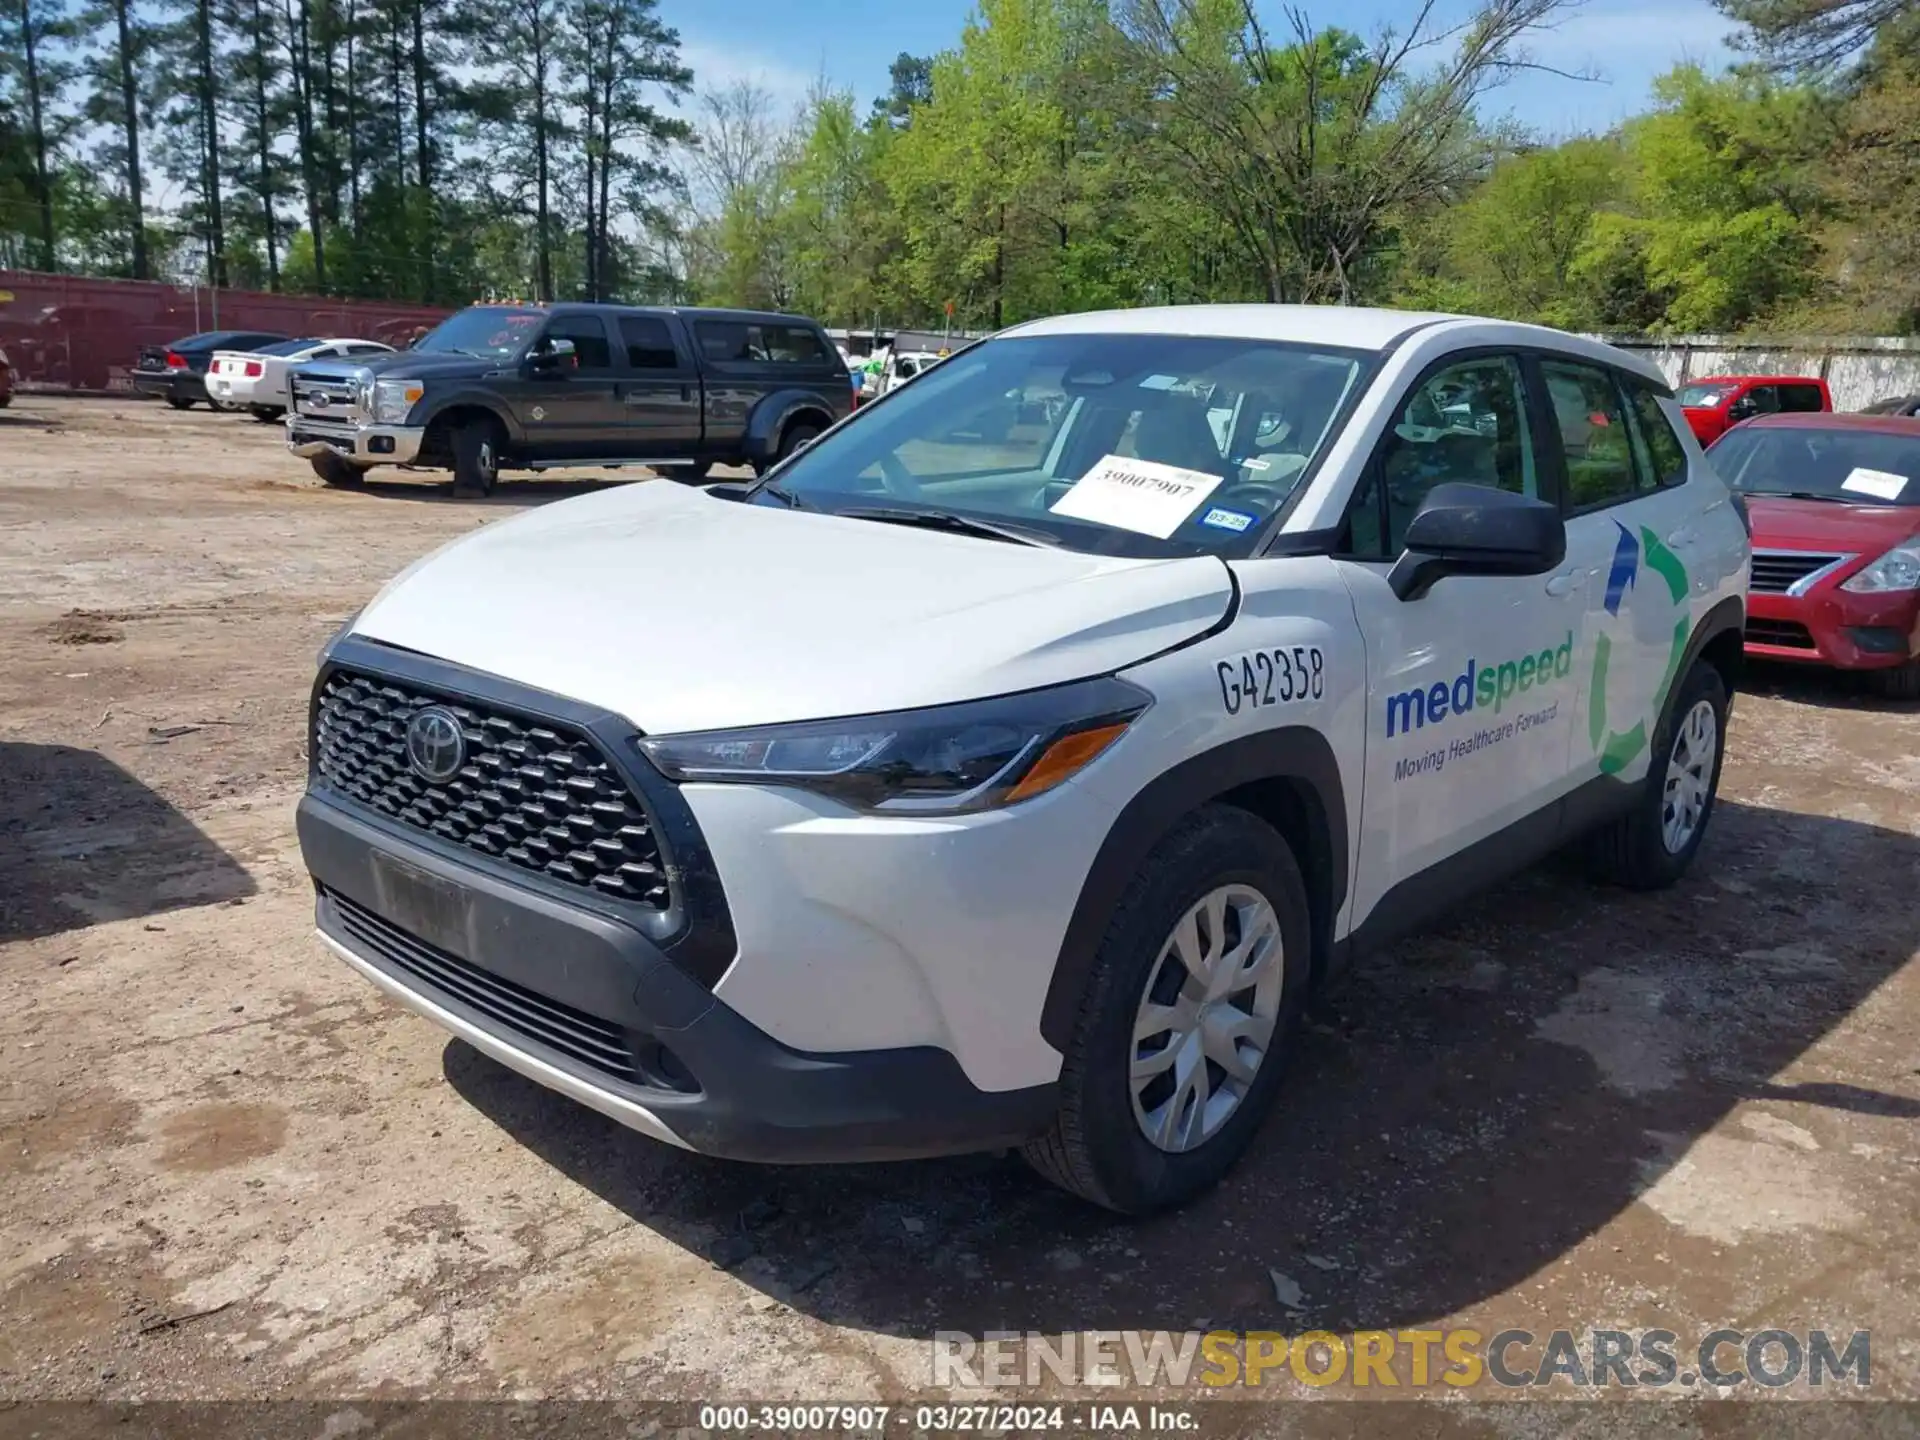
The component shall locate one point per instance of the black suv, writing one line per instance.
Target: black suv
(549, 387)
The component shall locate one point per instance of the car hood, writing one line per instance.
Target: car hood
(402, 365)
(1783, 524)
(682, 611)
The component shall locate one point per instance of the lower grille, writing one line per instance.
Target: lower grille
(1775, 572)
(1783, 634)
(536, 794)
(573, 1033)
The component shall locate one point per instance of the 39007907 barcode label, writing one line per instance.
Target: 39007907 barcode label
(1283, 675)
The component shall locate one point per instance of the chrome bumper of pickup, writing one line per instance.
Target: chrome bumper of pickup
(362, 444)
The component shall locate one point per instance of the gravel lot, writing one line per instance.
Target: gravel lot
(227, 1168)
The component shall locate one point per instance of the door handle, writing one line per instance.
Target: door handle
(1567, 582)
(1685, 535)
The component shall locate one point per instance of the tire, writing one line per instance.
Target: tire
(174, 402)
(1902, 682)
(1639, 849)
(1098, 1146)
(476, 458)
(338, 471)
(266, 414)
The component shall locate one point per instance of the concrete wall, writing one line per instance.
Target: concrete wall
(1859, 371)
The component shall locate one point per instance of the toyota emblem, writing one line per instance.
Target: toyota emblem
(436, 746)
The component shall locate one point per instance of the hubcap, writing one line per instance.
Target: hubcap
(1689, 776)
(486, 457)
(1206, 1018)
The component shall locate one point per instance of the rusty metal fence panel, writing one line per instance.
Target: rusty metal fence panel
(71, 332)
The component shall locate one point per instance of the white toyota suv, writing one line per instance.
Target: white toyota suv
(1010, 765)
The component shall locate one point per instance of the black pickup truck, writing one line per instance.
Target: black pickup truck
(549, 387)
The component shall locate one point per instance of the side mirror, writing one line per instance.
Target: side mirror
(1477, 530)
(551, 354)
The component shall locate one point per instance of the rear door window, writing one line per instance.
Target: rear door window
(1803, 398)
(1602, 466)
(649, 344)
(1659, 448)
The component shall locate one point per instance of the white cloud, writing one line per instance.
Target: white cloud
(1604, 36)
(718, 65)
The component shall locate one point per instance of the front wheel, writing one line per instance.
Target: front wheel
(1653, 844)
(266, 414)
(174, 402)
(476, 458)
(337, 470)
(1189, 1015)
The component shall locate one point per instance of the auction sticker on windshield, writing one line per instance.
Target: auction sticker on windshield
(1881, 484)
(1139, 495)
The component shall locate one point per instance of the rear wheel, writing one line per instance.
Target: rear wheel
(1188, 1018)
(476, 458)
(265, 414)
(337, 470)
(1653, 844)
(1902, 682)
(176, 403)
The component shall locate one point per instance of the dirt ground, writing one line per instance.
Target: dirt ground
(229, 1168)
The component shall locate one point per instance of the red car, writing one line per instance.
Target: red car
(1715, 404)
(6, 380)
(1834, 501)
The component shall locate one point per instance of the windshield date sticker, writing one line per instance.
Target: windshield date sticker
(1138, 495)
(1881, 484)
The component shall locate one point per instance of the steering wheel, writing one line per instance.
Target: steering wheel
(1263, 497)
(897, 478)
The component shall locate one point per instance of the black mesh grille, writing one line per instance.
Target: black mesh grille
(534, 793)
(1775, 573)
(584, 1037)
(1786, 634)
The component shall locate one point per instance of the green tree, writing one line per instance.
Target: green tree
(36, 67)
(118, 71)
(1816, 34)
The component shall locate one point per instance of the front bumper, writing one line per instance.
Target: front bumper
(362, 444)
(572, 998)
(1835, 628)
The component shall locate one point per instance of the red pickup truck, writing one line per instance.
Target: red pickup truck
(1714, 404)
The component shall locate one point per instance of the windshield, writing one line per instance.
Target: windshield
(1855, 465)
(491, 331)
(1114, 444)
(1704, 397)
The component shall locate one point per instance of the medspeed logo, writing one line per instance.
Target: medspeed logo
(1627, 698)
(1481, 686)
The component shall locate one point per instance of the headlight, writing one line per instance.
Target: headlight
(954, 758)
(393, 399)
(1898, 569)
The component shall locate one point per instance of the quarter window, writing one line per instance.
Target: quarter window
(1466, 423)
(1602, 468)
(738, 342)
(1662, 448)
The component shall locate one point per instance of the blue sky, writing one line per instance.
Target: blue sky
(786, 44)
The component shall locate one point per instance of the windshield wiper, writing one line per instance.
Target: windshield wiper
(780, 492)
(954, 524)
(1801, 495)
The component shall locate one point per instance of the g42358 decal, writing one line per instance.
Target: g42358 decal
(1283, 675)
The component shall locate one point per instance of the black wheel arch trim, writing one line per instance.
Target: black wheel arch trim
(771, 414)
(1729, 615)
(475, 400)
(1293, 753)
